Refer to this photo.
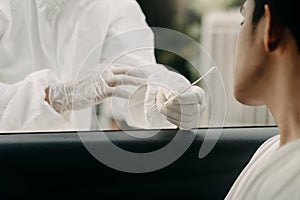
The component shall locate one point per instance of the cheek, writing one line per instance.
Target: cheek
(242, 60)
(247, 68)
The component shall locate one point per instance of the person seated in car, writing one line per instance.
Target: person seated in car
(267, 71)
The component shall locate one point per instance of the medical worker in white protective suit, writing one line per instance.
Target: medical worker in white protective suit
(43, 44)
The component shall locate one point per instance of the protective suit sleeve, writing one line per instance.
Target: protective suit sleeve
(23, 106)
(129, 39)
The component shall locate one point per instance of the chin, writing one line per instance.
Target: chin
(246, 98)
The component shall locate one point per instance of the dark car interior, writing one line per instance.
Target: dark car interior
(58, 166)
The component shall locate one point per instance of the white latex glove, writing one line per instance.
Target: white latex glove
(145, 105)
(184, 111)
(92, 90)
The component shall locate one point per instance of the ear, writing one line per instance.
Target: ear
(272, 35)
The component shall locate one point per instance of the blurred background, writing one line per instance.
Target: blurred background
(215, 25)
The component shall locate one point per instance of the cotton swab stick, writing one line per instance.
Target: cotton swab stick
(197, 81)
(186, 89)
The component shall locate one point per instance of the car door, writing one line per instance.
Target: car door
(59, 166)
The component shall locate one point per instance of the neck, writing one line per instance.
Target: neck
(283, 99)
(288, 120)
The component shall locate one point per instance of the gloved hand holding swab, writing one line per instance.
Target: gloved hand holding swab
(186, 89)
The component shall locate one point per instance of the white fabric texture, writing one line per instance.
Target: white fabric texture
(58, 35)
(272, 174)
(28, 97)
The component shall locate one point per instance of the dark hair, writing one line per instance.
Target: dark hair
(286, 14)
